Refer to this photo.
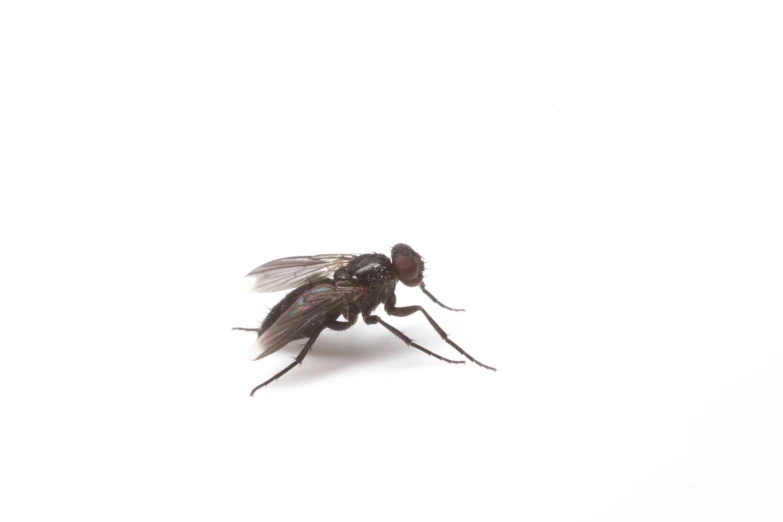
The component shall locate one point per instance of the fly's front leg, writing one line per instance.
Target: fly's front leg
(428, 294)
(404, 311)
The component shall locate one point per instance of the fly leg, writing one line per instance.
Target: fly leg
(332, 325)
(428, 294)
(405, 311)
(246, 329)
(374, 319)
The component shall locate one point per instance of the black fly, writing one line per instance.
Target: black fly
(329, 286)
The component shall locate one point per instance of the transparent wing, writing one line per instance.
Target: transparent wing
(290, 272)
(311, 306)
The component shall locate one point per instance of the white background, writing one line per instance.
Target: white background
(597, 183)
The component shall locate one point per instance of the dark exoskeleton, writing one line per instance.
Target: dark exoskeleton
(328, 287)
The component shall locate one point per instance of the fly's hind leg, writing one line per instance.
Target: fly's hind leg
(331, 325)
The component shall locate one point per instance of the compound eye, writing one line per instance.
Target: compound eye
(406, 267)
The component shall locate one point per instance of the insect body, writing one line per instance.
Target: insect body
(328, 287)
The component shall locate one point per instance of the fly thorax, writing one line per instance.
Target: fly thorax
(373, 272)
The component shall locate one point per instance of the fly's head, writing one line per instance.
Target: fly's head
(407, 265)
